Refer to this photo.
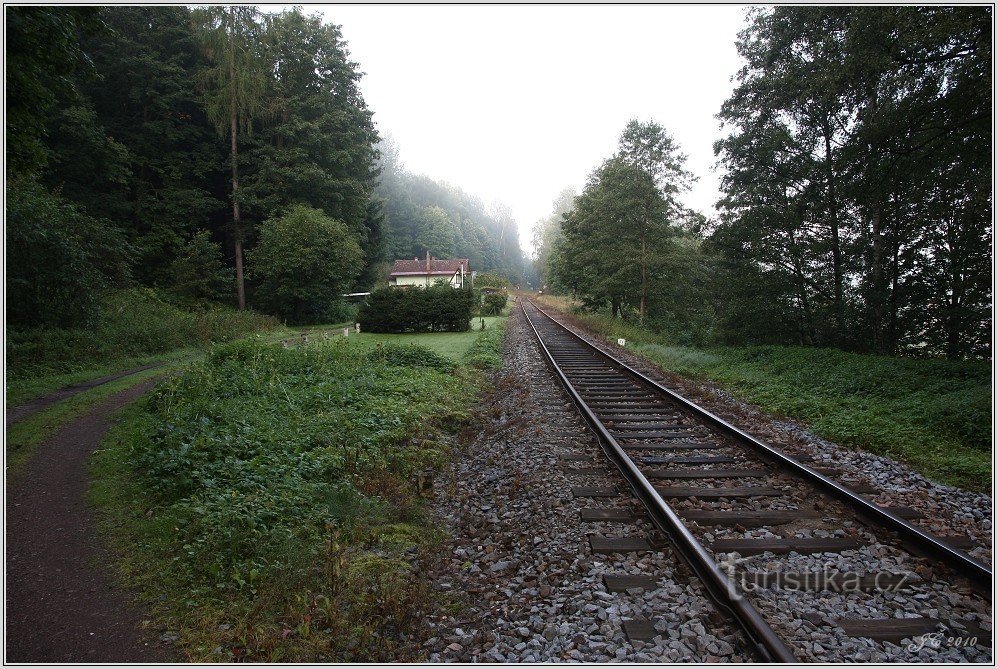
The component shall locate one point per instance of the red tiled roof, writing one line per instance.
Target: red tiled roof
(443, 267)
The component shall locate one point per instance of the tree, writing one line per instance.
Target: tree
(303, 263)
(613, 236)
(59, 258)
(173, 178)
(197, 272)
(436, 233)
(648, 148)
(234, 86)
(548, 237)
(850, 126)
(44, 64)
(318, 146)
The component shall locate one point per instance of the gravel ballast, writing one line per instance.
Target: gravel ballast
(528, 588)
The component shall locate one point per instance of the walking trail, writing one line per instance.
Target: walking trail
(62, 604)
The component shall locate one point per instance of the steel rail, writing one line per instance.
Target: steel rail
(963, 564)
(768, 644)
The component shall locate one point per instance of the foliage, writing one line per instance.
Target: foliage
(58, 258)
(491, 280)
(312, 530)
(858, 178)
(493, 303)
(303, 263)
(119, 111)
(616, 243)
(126, 324)
(147, 102)
(409, 355)
(438, 308)
(548, 238)
(317, 144)
(197, 273)
(44, 59)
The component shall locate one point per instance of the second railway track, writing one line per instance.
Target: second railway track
(767, 535)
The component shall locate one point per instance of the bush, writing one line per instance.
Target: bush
(494, 303)
(409, 355)
(437, 309)
(303, 264)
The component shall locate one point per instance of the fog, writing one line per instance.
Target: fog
(515, 103)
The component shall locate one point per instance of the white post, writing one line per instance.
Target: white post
(346, 332)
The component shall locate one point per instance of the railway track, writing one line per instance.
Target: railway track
(760, 529)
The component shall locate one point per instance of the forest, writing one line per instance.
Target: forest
(857, 203)
(215, 155)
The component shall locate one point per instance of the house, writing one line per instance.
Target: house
(422, 273)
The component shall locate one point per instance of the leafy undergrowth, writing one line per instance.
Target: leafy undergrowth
(933, 414)
(131, 323)
(268, 501)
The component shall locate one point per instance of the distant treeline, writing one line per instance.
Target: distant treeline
(858, 205)
(425, 215)
(178, 148)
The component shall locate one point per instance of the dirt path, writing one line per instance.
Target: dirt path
(19, 413)
(61, 602)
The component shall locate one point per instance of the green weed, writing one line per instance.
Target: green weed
(269, 497)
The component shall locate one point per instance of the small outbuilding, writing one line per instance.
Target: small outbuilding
(423, 273)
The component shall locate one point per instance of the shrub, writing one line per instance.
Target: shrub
(303, 263)
(409, 355)
(494, 303)
(436, 308)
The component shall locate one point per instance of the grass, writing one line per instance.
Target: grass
(932, 414)
(267, 503)
(131, 324)
(26, 388)
(24, 437)
(453, 345)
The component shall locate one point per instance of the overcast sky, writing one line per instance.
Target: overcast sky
(515, 103)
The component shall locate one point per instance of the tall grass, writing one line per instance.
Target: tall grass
(130, 323)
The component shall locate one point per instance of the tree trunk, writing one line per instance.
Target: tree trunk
(237, 228)
(833, 223)
(644, 277)
(953, 317)
(892, 307)
(877, 290)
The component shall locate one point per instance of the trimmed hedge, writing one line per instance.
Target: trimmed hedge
(437, 309)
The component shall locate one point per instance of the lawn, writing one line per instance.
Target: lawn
(453, 345)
